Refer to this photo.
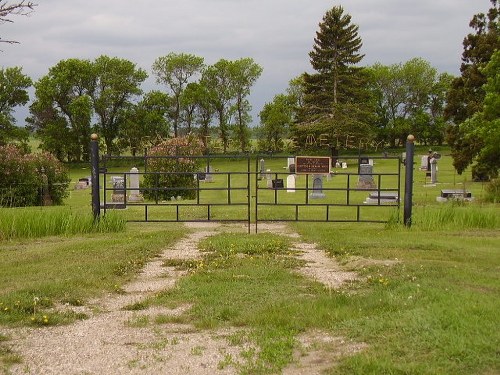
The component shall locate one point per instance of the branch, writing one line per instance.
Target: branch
(23, 8)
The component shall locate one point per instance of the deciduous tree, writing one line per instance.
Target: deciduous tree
(466, 95)
(175, 71)
(13, 93)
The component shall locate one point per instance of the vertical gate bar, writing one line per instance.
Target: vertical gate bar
(228, 188)
(358, 213)
(348, 191)
(296, 212)
(307, 189)
(177, 212)
(249, 201)
(327, 212)
(146, 213)
(409, 180)
(275, 190)
(197, 189)
(256, 193)
(379, 184)
(208, 212)
(399, 184)
(94, 155)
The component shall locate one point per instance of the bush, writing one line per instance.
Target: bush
(30, 179)
(493, 191)
(171, 167)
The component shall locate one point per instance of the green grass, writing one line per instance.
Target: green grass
(435, 311)
(34, 222)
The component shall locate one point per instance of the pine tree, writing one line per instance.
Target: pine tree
(338, 86)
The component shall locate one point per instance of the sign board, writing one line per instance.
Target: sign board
(312, 164)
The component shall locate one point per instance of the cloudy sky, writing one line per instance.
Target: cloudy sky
(277, 34)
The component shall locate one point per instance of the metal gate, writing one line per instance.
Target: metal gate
(355, 189)
(351, 191)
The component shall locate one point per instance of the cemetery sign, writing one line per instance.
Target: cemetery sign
(312, 164)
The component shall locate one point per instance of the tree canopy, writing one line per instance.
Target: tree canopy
(467, 93)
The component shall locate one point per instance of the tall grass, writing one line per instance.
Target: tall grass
(34, 223)
(450, 217)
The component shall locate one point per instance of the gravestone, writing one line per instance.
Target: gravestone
(365, 180)
(424, 163)
(317, 187)
(208, 174)
(433, 170)
(289, 163)
(262, 169)
(344, 165)
(290, 183)
(277, 183)
(83, 183)
(269, 179)
(382, 197)
(135, 194)
(118, 183)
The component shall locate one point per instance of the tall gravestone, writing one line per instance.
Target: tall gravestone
(290, 183)
(135, 194)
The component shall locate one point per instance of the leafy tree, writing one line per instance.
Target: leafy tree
(218, 80)
(335, 99)
(204, 110)
(466, 95)
(13, 92)
(145, 123)
(116, 82)
(275, 118)
(483, 128)
(62, 111)
(409, 98)
(245, 74)
(8, 9)
(175, 71)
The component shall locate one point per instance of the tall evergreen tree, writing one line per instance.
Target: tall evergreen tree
(339, 85)
(466, 95)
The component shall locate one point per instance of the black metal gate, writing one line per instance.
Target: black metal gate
(352, 191)
(355, 189)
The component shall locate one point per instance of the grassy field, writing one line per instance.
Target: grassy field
(434, 311)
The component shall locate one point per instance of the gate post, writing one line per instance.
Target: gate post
(94, 160)
(408, 180)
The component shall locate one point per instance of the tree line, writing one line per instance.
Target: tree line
(339, 99)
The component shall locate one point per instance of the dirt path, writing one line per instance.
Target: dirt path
(117, 341)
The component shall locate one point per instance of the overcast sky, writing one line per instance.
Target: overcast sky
(277, 34)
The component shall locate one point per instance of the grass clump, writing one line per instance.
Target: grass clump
(35, 223)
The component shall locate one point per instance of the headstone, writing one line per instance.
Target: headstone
(269, 179)
(291, 168)
(455, 194)
(208, 174)
(289, 162)
(290, 183)
(423, 163)
(382, 197)
(344, 165)
(262, 169)
(317, 187)
(135, 194)
(277, 183)
(365, 180)
(337, 164)
(433, 170)
(118, 183)
(201, 176)
(83, 183)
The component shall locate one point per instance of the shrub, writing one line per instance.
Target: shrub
(171, 166)
(493, 191)
(30, 179)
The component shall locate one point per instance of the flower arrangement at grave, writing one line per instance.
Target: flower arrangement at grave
(31, 179)
(171, 166)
